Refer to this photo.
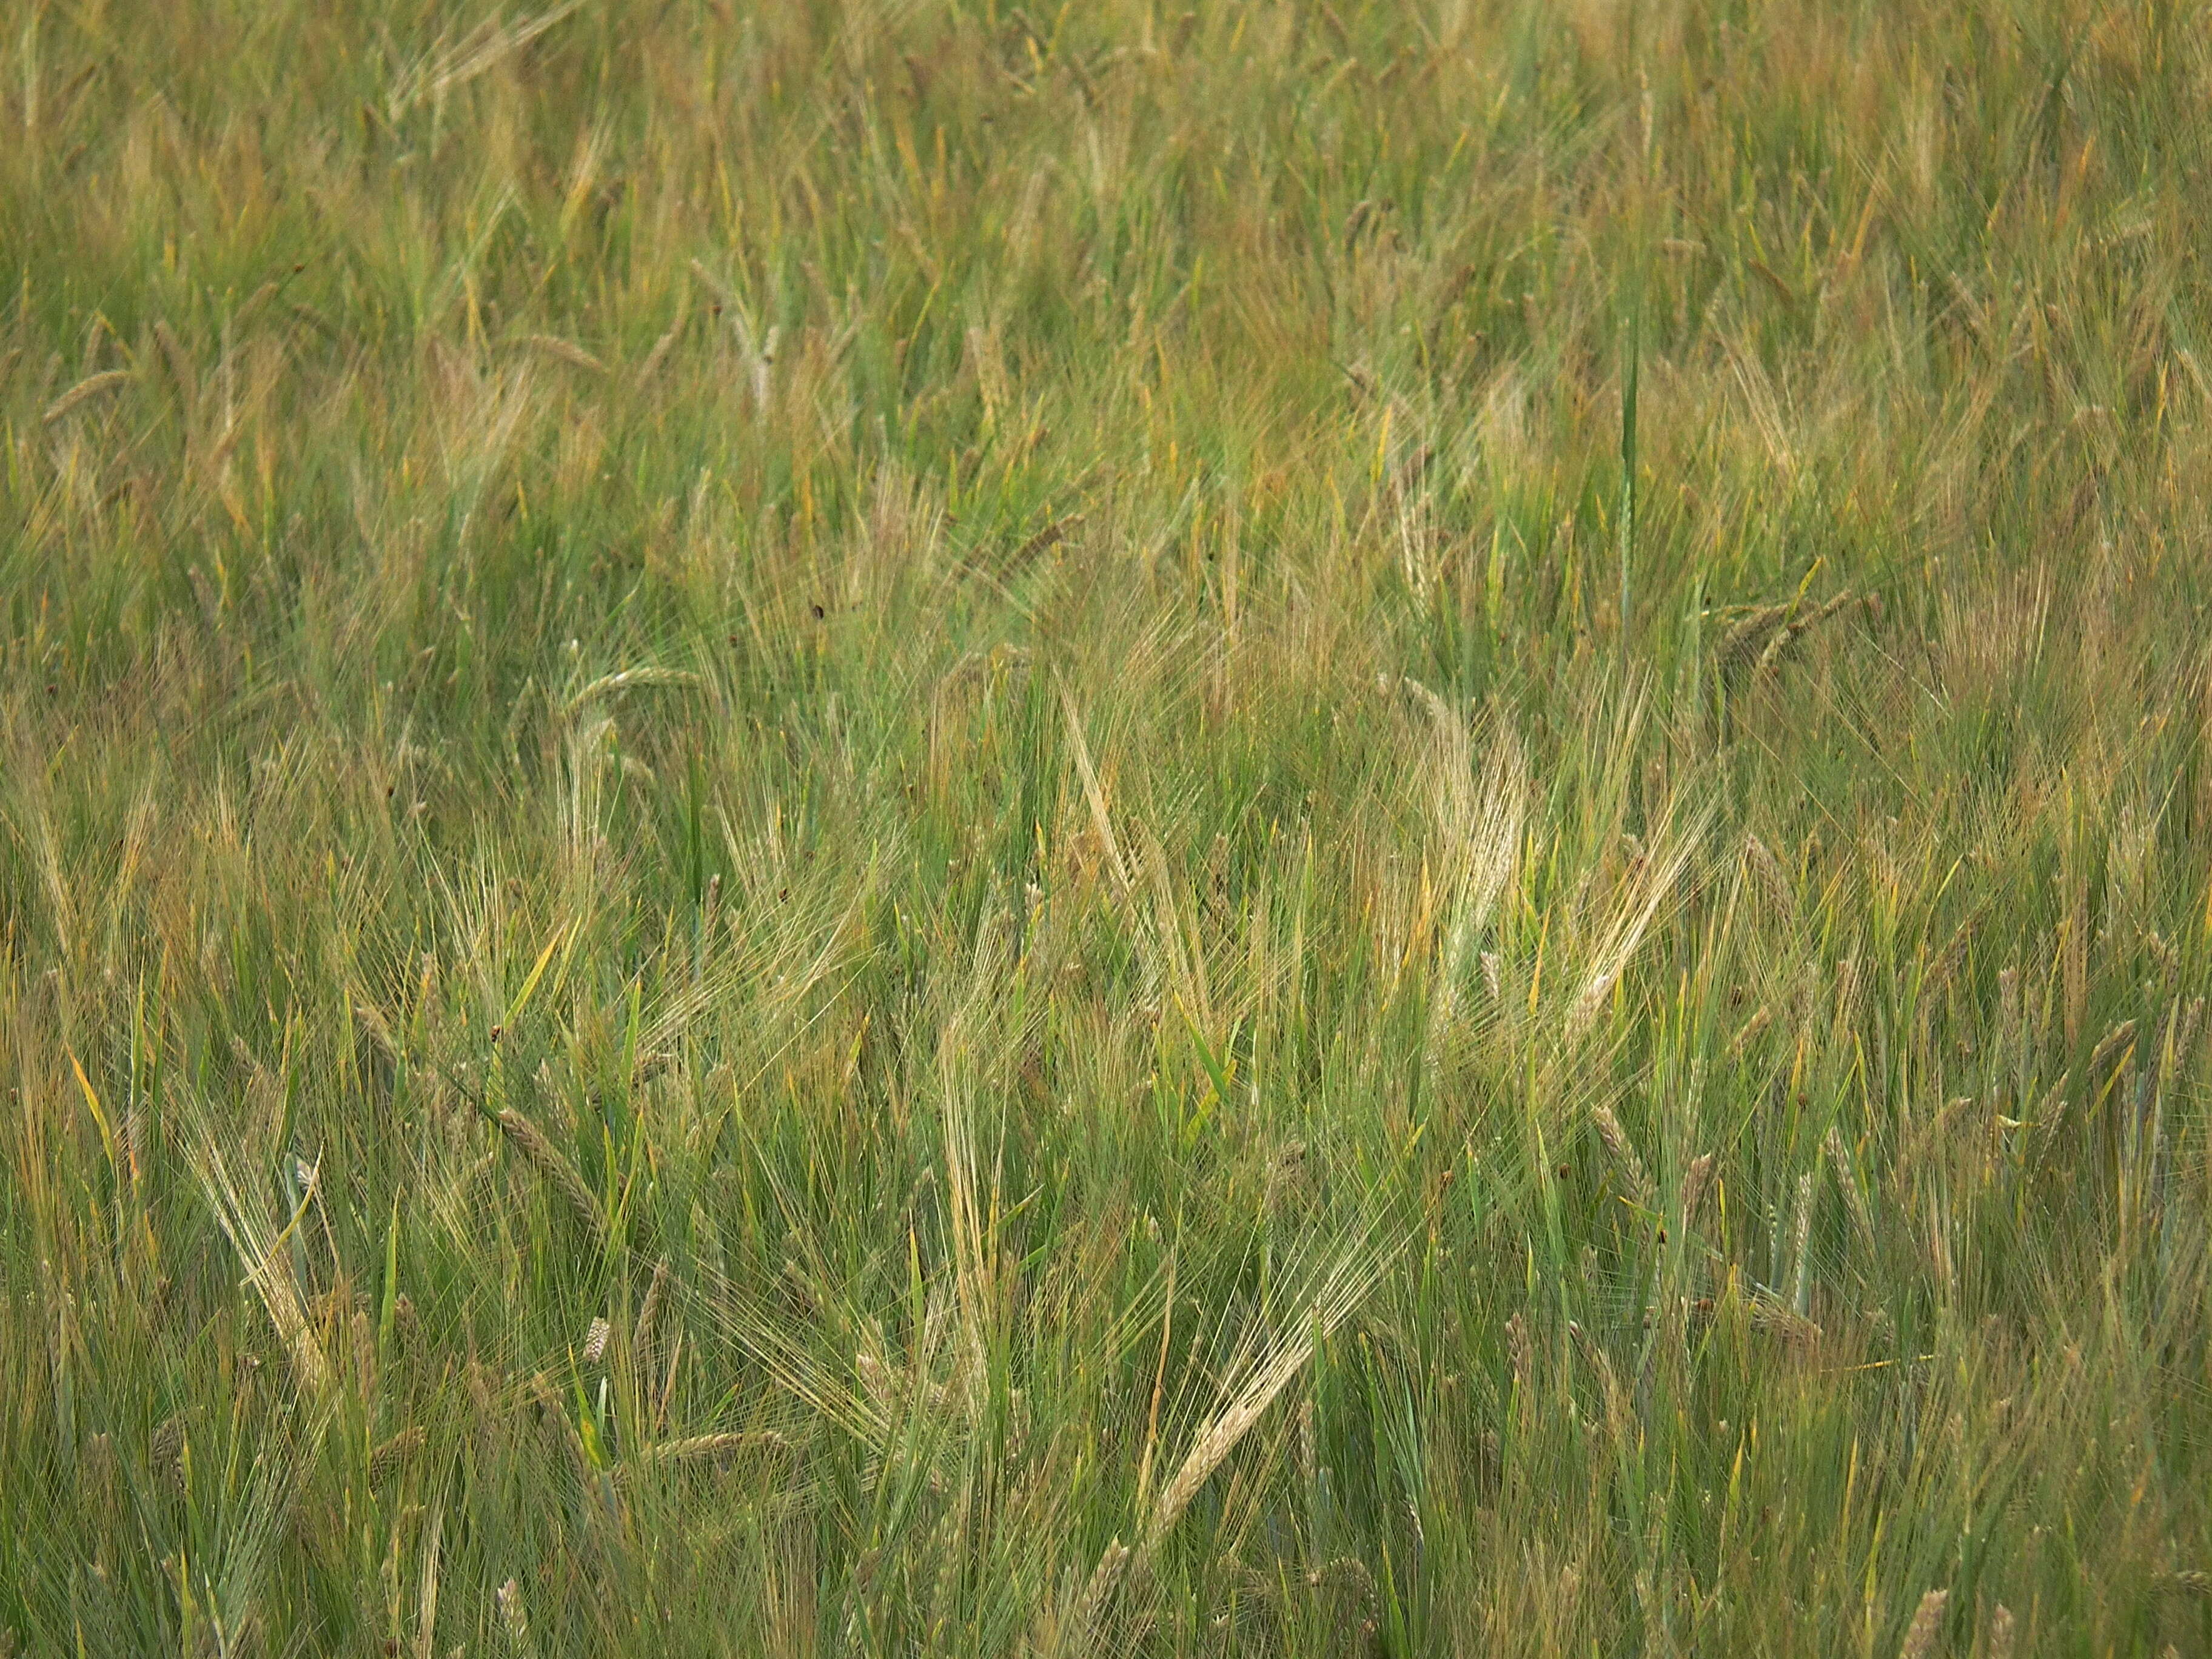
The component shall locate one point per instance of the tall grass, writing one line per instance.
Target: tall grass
(828, 829)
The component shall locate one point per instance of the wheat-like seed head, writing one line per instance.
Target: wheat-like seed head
(264, 1248)
(1341, 1291)
(1927, 1619)
(567, 351)
(1519, 1349)
(1659, 871)
(1855, 1198)
(1082, 1627)
(180, 365)
(2002, 1633)
(656, 1297)
(1768, 870)
(511, 1613)
(659, 355)
(1801, 1283)
(1695, 1180)
(700, 1448)
(1641, 1187)
(92, 386)
(543, 1156)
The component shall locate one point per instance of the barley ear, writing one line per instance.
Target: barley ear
(1695, 1180)
(180, 365)
(1641, 1187)
(1082, 1628)
(2002, 1633)
(556, 1172)
(656, 1297)
(84, 391)
(1927, 1619)
(1855, 1198)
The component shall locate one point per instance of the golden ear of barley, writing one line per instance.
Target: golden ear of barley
(1773, 1314)
(1519, 1349)
(1947, 962)
(2077, 966)
(656, 1297)
(2108, 1046)
(315, 319)
(557, 1172)
(1768, 869)
(1927, 1138)
(1761, 1018)
(630, 679)
(1801, 1284)
(379, 1031)
(1640, 1186)
(92, 386)
(1747, 636)
(1695, 1180)
(401, 1446)
(180, 366)
(509, 1598)
(1795, 629)
(1588, 1005)
(1344, 1569)
(2000, 1633)
(1083, 1619)
(1927, 1619)
(1855, 1199)
(1045, 539)
(659, 355)
(1207, 1455)
(700, 1447)
(2192, 1017)
(1619, 1413)
(554, 1420)
(260, 297)
(1270, 1372)
(552, 345)
(1847, 986)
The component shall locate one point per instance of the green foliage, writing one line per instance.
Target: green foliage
(832, 829)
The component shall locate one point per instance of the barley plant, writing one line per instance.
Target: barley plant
(943, 828)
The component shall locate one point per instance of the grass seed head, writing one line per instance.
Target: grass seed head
(1927, 1622)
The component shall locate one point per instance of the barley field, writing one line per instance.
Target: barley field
(928, 827)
